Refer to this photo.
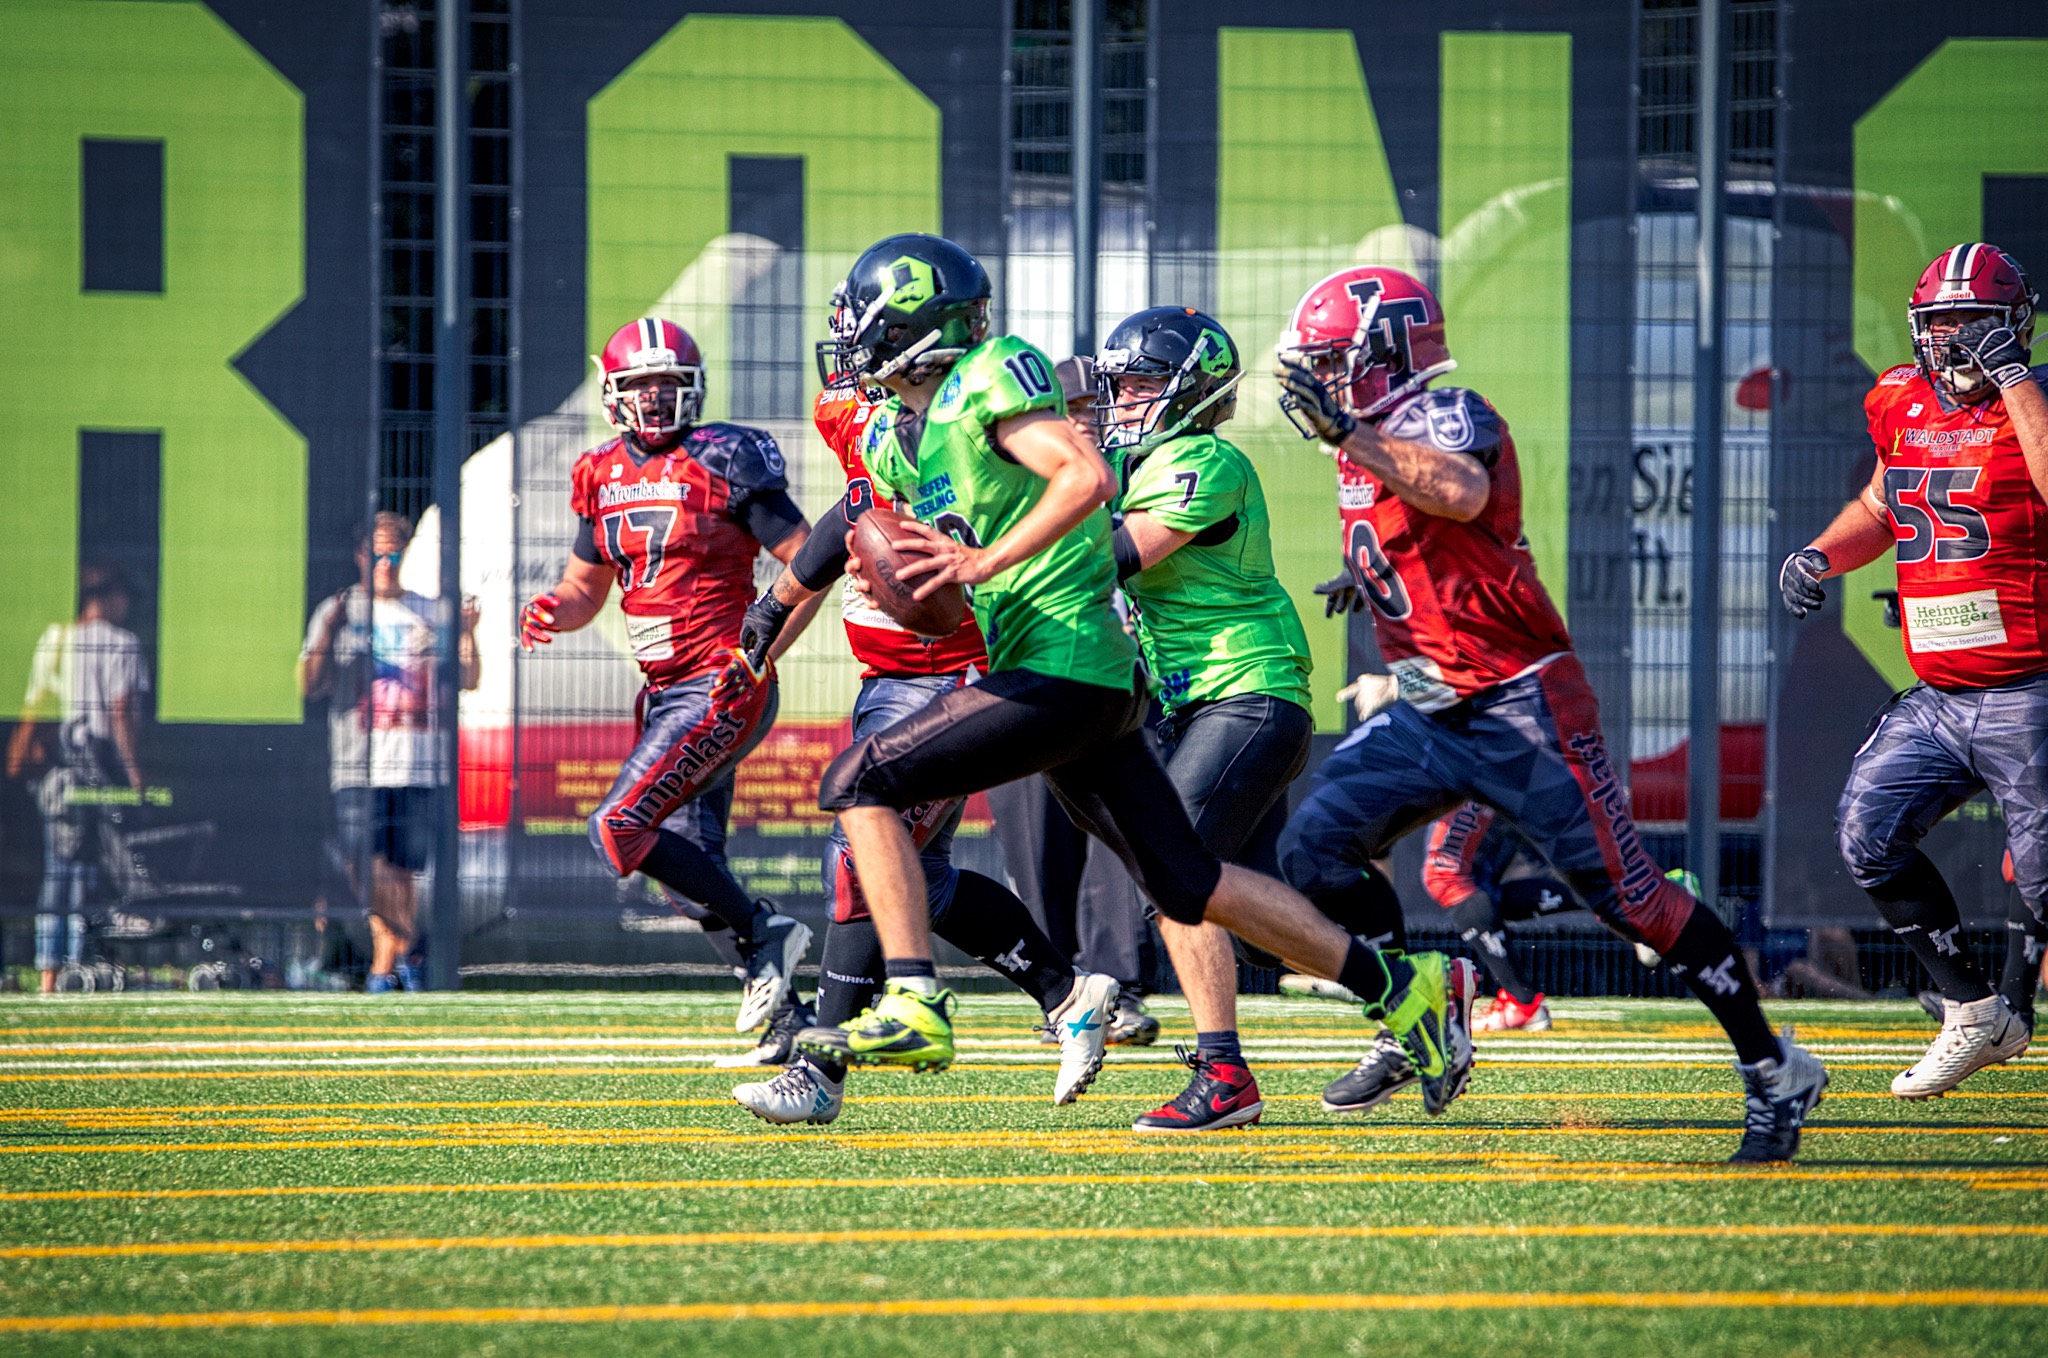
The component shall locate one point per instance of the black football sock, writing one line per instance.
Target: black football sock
(1221, 1047)
(681, 866)
(1918, 906)
(1705, 957)
(1479, 923)
(849, 980)
(988, 923)
(2024, 936)
(1366, 908)
(1372, 975)
(917, 974)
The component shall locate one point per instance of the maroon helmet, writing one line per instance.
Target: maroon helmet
(649, 347)
(1975, 280)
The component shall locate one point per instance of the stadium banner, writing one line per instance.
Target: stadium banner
(1872, 188)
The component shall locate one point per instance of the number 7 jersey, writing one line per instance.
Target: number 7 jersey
(1456, 606)
(1972, 533)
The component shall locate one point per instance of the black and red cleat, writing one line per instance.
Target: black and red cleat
(1222, 1094)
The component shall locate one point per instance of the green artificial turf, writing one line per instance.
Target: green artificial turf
(550, 1157)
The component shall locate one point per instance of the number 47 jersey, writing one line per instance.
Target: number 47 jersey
(1456, 606)
(1972, 533)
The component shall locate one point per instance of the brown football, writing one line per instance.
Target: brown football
(938, 614)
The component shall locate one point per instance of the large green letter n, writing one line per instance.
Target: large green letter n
(233, 566)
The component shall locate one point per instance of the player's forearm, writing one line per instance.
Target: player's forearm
(2027, 404)
(1072, 493)
(1856, 538)
(1447, 485)
(1152, 540)
(576, 604)
(124, 741)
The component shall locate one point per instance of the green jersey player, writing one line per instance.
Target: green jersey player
(1194, 551)
(1008, 499)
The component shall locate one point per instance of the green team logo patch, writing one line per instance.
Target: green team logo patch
(1217, 358)
(915, 284)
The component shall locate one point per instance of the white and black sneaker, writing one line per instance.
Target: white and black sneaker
(1973, 1036)
(1381, 1073)
(777, 1046)
(1081, 1023)
(771, 963)
(1779, 1094)
(1129, 1024)
(801, 1093)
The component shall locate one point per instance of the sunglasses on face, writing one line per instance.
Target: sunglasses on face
(387, 558)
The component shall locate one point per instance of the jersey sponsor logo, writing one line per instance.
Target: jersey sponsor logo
(1639, 876)
(1174, 687)
(933, 496)
(1357, 494)
(1422, 683)
(1954, 622)
(641, 491)
(650, 638)
(1944, 438)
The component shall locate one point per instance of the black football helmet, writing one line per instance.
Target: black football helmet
(1195, 356)
(911, 304)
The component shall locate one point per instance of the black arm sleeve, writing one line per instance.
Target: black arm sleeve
(585, 546)
(770, 516)
(1128, 562)
(822, 558)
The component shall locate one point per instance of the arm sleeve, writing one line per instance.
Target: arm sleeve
(771, 516)
(1128, 560)
(822, 558)
(585, 546)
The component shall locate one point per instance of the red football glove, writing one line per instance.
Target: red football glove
(740, 675)
(537, 621)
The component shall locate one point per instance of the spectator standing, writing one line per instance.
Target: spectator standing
(88, 679)
(372, 655)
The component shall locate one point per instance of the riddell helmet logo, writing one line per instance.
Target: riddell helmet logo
(914, 284)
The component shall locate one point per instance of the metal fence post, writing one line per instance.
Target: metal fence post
(1085, 161)
(451, 370)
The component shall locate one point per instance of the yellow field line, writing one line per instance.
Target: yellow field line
(1000, 1234)
(716, 1312)
(622, 1137)
(131, 1111)
(1704, 1173)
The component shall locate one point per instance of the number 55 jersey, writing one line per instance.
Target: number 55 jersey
(1456, 606)
(1972, 533)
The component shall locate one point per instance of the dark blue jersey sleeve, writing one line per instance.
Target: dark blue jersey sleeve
(1455, 419)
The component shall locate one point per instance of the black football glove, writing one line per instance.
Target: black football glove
(763, 623)
(1309, 403)
(1799, 581)
(1997, 350)
(1340, 595)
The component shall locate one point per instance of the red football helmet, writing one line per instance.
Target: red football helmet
(1966, 278)
(1373, 335)
(658, 412)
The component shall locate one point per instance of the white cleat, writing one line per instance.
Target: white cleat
(1316, 988)
(771, 966)
(1973, 1036)
(801, 1093)
(1081, 1023)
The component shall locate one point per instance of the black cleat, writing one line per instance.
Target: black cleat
(1779, 1095)
(1930, 1000)
(1381, 1073)
(777, 1046)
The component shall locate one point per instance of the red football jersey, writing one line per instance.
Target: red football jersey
(879, 642)
(1972, 533)
(669, 526)
(1456, 606)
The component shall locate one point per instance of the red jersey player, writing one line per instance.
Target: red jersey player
(1497, 709)
(1962, 468)
(676, 511)
(902, 673)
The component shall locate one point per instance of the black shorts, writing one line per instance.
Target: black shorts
(1088, 741)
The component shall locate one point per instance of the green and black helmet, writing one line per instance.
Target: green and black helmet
(1189, 352)
(911, 304)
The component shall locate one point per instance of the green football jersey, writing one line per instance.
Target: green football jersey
(1050, 614)
(1212, 617)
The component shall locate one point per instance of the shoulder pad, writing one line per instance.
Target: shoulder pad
(746, 457)
(1899, 376)
(1455, 419)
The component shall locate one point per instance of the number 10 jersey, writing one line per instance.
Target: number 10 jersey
(1972, 533)
(1456, 606)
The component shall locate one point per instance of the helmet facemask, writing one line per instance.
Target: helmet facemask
(1941, 331)
(654, 412)
(1130, 421)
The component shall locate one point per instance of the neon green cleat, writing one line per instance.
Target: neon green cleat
(903, 1028)
(1430, 1015)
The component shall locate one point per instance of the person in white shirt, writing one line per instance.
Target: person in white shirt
(372, 656)
(86, 682)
